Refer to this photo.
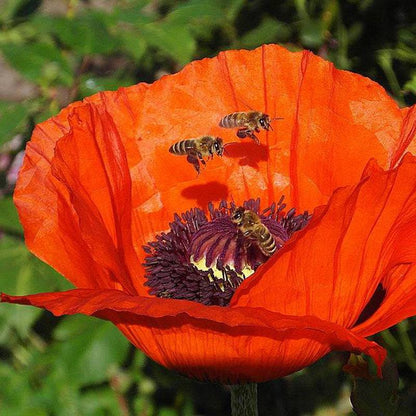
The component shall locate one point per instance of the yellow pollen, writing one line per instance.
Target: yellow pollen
(219, 274)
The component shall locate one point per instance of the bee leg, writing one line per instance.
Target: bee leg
(193, 160)
(253, 136)
(201, 158)
(242, 133)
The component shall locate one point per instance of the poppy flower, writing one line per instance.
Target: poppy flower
(138, 232)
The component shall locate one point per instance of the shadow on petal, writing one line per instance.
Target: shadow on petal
(248, 153)
(208, 192)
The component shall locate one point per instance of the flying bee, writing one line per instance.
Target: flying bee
(198, 148)
(248, 123)
(250, 225)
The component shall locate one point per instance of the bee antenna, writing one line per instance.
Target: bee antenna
(232, 203)
(274, 118)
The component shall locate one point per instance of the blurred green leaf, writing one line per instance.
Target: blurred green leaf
(12, 118)
(377, 396)
(86, 34)
(92, 84)
(199, 16)
(39, 62)
(268, 31)
(99, 402)
(85, 350)
(385, 60)
(173, 39)
(209, 12)
(16, 394)
(143, 406)
(58, 393)
(311, 33)
(15, 278)
(134, 14)
(14, 258)
(22, 273)
(411, 84)
(9, 8)
(406, 54)
(9, 219)
(233, 9)
(132, 43)
(165, 411)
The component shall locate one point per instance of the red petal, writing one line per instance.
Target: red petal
(79, 220)
(224, 344)
(365, 236)
(407, 140)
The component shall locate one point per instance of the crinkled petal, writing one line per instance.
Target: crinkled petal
(229, 345)
(364, 238)
(80, 219)
(407, 139)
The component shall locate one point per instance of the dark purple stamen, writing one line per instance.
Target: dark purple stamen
(205, 260)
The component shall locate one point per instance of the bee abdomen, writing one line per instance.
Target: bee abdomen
(229, 121)
(181, 148)
(268, 244)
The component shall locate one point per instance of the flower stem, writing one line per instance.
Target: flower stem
(244, 400)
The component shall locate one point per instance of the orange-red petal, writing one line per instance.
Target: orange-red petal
(407, 139)
(80, 220)
(331, 269)
(229, 345)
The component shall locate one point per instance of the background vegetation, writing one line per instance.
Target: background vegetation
(53, 52)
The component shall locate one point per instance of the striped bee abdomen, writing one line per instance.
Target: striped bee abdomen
(266, 242)
(182, 147)
(230, 121)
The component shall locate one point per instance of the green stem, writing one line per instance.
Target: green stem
(244, 400)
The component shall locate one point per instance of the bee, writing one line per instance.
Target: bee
(250, 225)
(248, 123)
(198, 148)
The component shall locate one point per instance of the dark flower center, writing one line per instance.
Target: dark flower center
(205, 260)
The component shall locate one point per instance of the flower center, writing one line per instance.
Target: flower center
(205, 260)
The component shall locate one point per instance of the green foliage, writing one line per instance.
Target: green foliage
(82, 366)
(86, 34)
(9, 219)
(12, 119)
(378, 396)
(85, 353)
(267, 31)
(174, 40)
(39, 62)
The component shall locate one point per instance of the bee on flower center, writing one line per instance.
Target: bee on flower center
(248, 122)
(250, 225)
(198, 148)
